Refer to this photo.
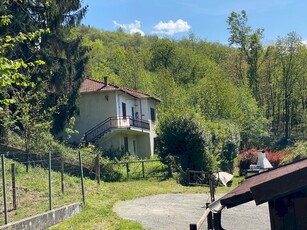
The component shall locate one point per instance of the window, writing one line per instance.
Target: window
(153, 114)
(124, 110)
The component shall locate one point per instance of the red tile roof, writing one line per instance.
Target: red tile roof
(90, 85)
(269, 185)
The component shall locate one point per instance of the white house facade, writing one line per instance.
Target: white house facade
(116, 118)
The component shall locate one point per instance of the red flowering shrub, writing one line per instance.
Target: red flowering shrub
(247, 157)
(276, 157)
(250, 156)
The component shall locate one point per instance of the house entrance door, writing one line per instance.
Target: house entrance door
(126, 144)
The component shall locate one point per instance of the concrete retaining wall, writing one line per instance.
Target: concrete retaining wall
(46, 219)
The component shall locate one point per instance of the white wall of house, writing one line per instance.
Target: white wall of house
(130, 102)
(94, 108)
(143, 146)
(137, 144)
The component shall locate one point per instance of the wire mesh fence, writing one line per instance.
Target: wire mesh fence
(35, 183)
(137, 170)
(31, 185)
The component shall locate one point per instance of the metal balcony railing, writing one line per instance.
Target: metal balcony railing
(114, 123)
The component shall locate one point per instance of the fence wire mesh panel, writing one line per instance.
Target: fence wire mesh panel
(27, 186)
(137, 170)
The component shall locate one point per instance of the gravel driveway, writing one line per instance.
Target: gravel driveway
(177, 211)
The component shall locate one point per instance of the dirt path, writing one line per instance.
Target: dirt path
(177, 211)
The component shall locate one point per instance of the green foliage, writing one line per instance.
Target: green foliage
(218, 98)
(243, 88)
(298, 152)
(14, 71)
(33, 119)
(108, 172)
(254, 126)
(65, 58)
(163, 53)
(186, 140)
(69, 128)
(225, 144)
(250, 45)
(291, 61)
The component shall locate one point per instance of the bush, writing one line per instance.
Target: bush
(107, 171)
(298, 152)
(275, 158)
(185, 140)
(246, 158)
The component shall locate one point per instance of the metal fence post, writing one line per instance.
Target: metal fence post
(212, 190)
(127, 167)
(4, 189)
(13, 171)
(97, 169)
(62, 175)
(82, 181)
(50, 184)
(143, 169)
(27, 163)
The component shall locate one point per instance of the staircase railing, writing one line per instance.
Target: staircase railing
(113, 123)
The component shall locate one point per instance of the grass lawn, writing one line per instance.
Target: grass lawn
(32, 197)
(100, 200)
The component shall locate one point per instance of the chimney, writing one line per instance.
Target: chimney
(105, 81)
(263, 162)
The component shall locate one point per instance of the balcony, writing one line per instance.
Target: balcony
(114, 123)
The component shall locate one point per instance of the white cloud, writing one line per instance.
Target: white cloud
(131, 28)
(171, 27)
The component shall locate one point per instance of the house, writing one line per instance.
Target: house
(285, 190)
(116, 118)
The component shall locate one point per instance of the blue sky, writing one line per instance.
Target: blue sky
(205, 18)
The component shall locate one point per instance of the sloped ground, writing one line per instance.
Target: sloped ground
(177, 211)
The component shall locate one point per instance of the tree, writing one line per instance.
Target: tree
(163, 51)
(132, 71)
(225, 143)
(13, 72)
(184, 139)
(34, 120)
(288, 51)
(65, 60)
(217, 97)
(249, 43)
